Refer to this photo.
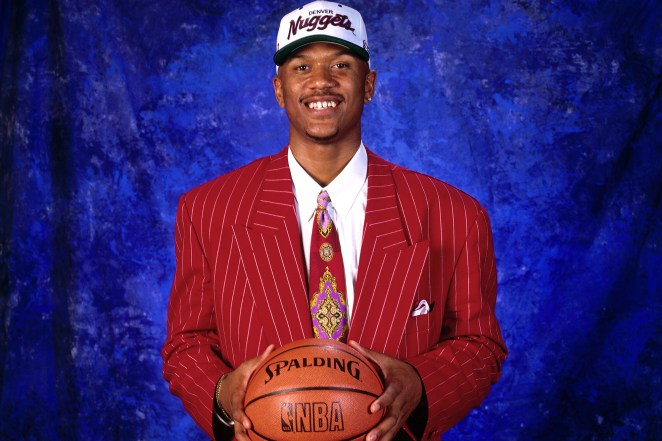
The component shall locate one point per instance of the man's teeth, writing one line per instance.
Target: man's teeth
(321, 105)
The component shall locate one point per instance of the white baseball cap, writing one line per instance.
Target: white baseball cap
(321, 21)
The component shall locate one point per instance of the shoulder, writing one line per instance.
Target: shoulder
(434, 188)
(242, 179)
(427, 193)
(228, 198)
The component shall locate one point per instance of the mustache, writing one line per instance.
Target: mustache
(322, 94)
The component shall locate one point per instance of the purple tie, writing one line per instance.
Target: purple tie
(326, 281)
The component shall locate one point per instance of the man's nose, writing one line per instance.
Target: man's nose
(322, 78)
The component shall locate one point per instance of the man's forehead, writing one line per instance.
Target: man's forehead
(321, 48)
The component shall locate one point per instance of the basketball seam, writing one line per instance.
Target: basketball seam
(303, 389)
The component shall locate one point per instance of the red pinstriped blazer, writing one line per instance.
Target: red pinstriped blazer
(240, 284)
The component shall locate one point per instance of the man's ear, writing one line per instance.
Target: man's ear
(369, 87)
(278, 91)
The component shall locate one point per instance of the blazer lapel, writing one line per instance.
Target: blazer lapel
(273, 258)
(389, 267)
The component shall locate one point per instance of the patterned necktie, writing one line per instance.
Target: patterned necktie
(326, 281)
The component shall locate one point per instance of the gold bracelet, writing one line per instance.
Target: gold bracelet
(223, 416)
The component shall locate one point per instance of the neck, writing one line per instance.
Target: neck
(324, 162)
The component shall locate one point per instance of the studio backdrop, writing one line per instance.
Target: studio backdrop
(549, 113)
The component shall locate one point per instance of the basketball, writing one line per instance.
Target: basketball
(313, 389)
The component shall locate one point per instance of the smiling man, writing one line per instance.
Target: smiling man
(325, 239)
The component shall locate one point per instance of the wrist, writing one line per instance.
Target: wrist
(418, 419)
(221, 413)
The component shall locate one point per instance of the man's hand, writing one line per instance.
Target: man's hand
(234, 390)
(402, 393)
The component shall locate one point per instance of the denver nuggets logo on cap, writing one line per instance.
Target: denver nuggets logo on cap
(322, 21)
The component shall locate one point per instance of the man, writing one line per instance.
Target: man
(414, 255)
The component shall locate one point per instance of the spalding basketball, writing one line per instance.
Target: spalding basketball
(313, 389)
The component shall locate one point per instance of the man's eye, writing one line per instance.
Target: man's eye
(301, 67)
(341, 65)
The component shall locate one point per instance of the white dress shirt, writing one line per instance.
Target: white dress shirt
(349, 194)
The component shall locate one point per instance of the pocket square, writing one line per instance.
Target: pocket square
(422, 308)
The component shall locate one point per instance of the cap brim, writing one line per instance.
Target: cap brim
(281, 56)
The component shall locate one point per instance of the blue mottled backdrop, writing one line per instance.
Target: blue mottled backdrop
(548, 112)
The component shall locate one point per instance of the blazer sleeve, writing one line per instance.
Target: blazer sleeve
(192, 364)
(458, 372)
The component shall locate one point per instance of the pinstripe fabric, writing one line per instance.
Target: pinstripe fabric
(423, 239)
(457, 348)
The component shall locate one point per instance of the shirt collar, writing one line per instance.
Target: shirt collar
(343, 190)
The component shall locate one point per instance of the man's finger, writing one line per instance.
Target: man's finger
(238, 402)
(385, 400)
(375, 357)
(240, 418)
(240, 432)
(266, 353)
(385, 430)
(255, 362)
(367, 353)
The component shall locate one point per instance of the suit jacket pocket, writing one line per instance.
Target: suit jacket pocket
(417, 336)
